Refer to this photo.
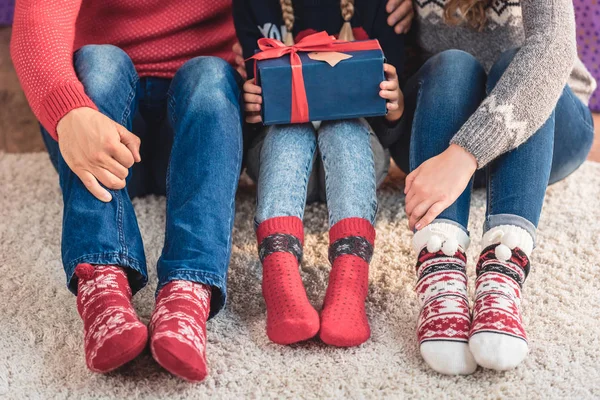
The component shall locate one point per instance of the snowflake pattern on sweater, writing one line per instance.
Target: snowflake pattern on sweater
(499, 13)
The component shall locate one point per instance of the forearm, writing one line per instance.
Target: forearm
(42, 52)
(529, 89)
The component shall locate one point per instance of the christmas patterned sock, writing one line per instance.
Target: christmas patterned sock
(497, 339)
(113, 334)
(344, 320)
(290, 316)
(178, 329)
(445, 318)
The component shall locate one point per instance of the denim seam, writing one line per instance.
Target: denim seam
(135, 264)
(220, 282)
(411, 160)
(308, 169)
(578, 107)
(127, 110)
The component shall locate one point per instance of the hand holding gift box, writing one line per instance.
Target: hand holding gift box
(321, 78)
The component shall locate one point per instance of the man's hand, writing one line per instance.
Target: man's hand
(390, 90)
(401, 15)
(97, 149)
(436, 184)
(240, 64)
(253, 101)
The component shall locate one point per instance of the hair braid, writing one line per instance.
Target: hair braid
(473, 12)
(287, 11)
(347, 8)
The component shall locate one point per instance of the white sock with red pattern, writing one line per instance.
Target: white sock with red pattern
(445, 318)
(113, 334)
(497, 338)
(178, 329)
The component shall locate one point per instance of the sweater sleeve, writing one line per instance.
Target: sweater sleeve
(528, 91)
(42, 52)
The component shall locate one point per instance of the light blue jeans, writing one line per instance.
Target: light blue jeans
(286, 161)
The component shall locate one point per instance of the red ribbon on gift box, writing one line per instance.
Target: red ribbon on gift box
(272, 48)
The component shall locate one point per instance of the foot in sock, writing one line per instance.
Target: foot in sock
(290, 316)
(497, 338)
(344, 320)
(178, 329)
(445, 318)
(113, 334)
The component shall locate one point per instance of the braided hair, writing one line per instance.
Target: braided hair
(287, 11)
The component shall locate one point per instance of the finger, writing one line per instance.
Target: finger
(237, 49)
(404, 25)
(252, 107)
(410, 178)
(392, 106)
(253, 118)
(421, 209)
(411, 204)
(108, 179)
(389, 95)
(91, 184)
(390, 72)
(392, 4)
(252, 98)
(239, 60)
(122, 154)
(251, 87)
(242, 72)
(401, 11)
(131, 141)
(389, 85)
(433, 212)
(115, 167)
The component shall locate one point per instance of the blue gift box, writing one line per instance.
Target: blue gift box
(350, 89)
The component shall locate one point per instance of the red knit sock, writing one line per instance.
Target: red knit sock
(344, 320)
(178, 329)
(290, 316)
(113, 333)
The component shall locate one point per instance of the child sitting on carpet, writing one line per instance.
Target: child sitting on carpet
(286, 160)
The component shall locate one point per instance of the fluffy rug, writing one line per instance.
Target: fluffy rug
(41, 333)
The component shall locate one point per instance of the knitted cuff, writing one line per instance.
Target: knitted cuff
(510, 236)
(441, 235)
(59, 102)
(280, 234)
(352, 236)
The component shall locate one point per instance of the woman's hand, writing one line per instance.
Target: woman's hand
(253, 101)
(240, 64)
(436, 184)
(97, 149)
(401, 15)
(390, 90)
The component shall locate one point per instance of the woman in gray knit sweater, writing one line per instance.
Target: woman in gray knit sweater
(502, 91)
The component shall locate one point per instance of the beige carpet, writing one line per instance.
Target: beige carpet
(41, 334)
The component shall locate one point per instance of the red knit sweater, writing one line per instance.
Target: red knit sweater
(158, 35)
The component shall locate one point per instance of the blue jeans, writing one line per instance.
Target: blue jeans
(440, 98)
(191, 133)
(286, 162)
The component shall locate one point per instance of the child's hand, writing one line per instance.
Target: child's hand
(390, 90)
(240, 64)
(253, 101)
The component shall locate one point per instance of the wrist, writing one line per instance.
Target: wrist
(466, 158)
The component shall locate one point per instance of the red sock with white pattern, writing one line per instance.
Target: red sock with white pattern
(497, 338)
(445, 318)
(113, 334)
(344, 321)
(178, 329)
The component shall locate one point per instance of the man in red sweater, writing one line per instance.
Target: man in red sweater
(94, 72)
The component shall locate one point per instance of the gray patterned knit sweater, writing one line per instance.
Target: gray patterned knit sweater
(531, 86)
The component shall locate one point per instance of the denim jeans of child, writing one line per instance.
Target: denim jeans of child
(286, 162)
(440, 98)
(191, 133)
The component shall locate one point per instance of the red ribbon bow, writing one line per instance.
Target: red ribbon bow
(272, 48)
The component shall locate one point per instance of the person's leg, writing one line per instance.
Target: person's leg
(352, 202)
(202, 177)
(516, 186)
(101, 240)
(439, 100)
(286, 161)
